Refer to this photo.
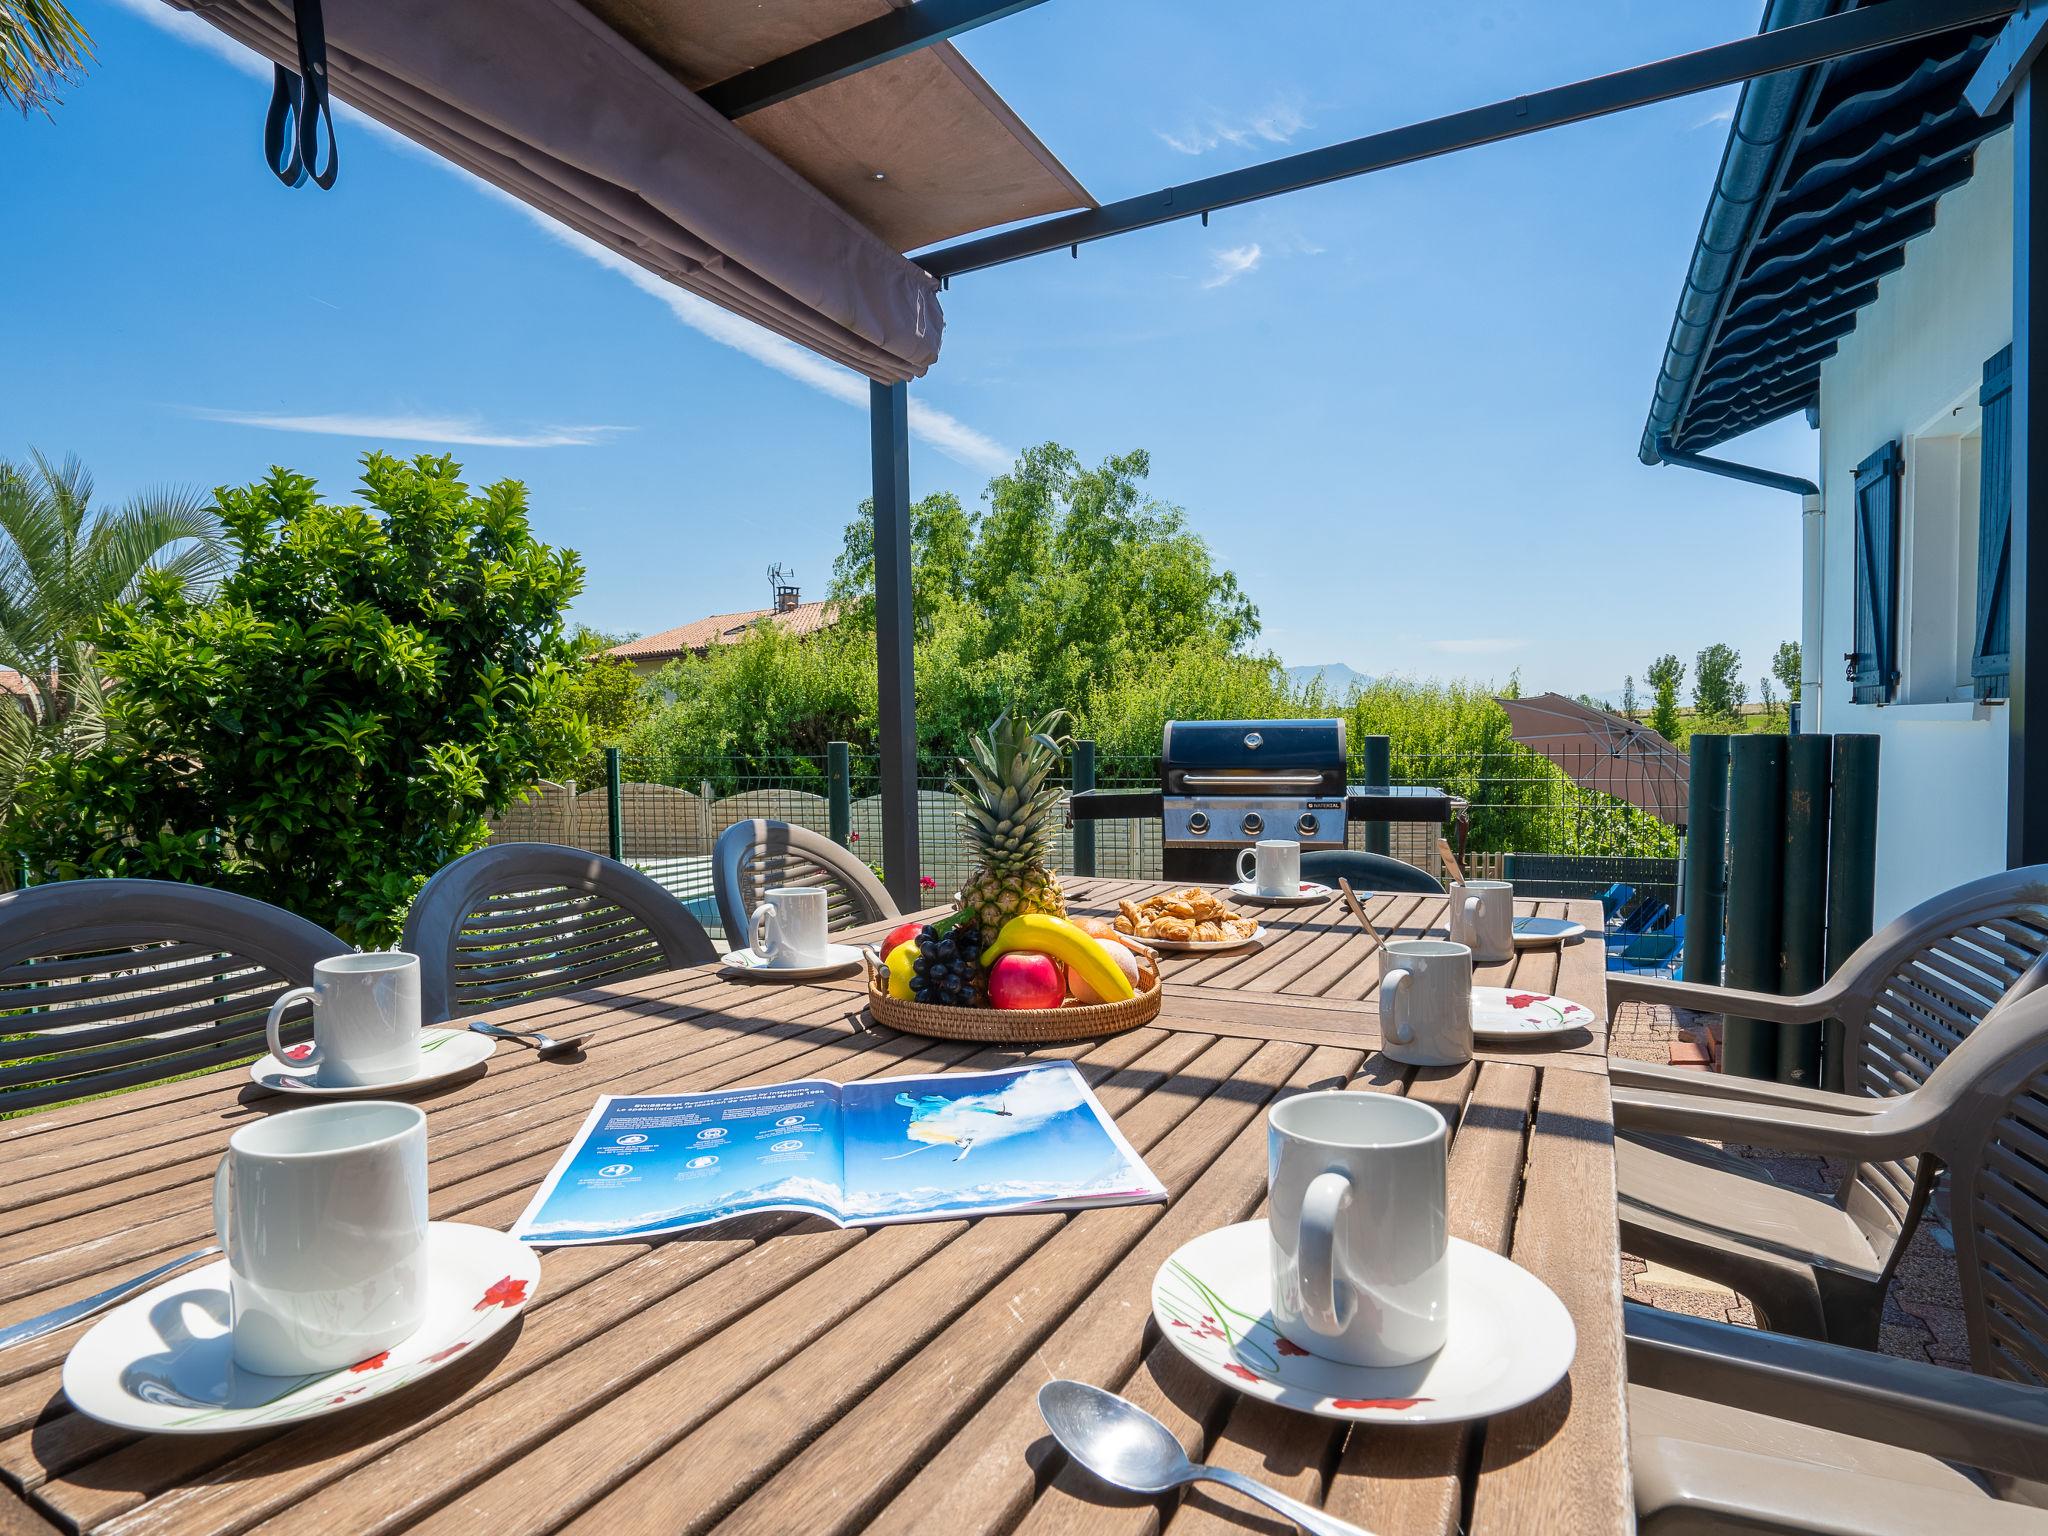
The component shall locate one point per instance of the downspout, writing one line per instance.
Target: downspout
(1749, 473)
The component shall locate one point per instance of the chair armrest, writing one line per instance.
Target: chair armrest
(1981, 1421)
(1624, 988)
(1900, 1128)
(1745, 1090)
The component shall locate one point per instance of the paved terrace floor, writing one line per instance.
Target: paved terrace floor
(1923, 1313)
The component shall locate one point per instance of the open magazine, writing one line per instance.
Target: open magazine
(859, 1154)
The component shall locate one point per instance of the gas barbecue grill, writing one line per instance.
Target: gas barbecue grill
(1224, 784)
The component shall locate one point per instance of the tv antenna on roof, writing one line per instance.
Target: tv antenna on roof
(782, 588)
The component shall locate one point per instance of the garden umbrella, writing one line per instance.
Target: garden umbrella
(1604, 751)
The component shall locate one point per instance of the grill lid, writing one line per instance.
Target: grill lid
(1244, 757)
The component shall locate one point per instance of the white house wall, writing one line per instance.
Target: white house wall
(1915, 354)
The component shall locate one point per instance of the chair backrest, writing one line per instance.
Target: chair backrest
(524, 920)
(114, 983)
(1912, 993)
(751, 856)
(1367, 871)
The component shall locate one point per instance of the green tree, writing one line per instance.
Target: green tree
(366, 688)
(1666, 676)
(1767, 696)
(1718, 691)
(1628, 696)
(941, 537)
(1785, 668)
(42, 47)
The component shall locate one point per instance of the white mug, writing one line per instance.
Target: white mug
(366, 1019)
(323, 1215)
(789, 928)
(1426, 1003)
(1360, 1234)
(1483, 919)
(1278, 866)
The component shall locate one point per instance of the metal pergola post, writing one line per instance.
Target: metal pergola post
(896, 699)
(2027, 765)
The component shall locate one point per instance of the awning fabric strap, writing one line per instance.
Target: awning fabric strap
(298, 106)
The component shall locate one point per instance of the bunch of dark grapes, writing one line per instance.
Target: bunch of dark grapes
(948, 967)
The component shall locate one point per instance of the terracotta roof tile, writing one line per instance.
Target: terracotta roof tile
(723, 629)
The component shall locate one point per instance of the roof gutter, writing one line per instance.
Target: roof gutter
(1765, 117)
(1664, 453)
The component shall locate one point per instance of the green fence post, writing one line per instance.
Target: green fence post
(1706, 859)
(839, 792)
(1376, 765)
(611, 802)
(1756, 853)
(1809, 768)
(1084, 831)
(1852, 871)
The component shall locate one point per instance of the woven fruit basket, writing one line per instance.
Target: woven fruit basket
(1012, 1026)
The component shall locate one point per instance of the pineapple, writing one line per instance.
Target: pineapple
(1006, 811)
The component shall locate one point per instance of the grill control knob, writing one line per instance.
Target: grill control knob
(1254, 823)
(1308, 826)
(1198, 822)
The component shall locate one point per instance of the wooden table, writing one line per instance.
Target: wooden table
(776, 1375)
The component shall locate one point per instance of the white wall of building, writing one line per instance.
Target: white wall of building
(1909, 371)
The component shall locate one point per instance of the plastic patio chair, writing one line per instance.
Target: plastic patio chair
(1643, 918)
(522, 920)
(1647, 953)
(752, 856)
(114, 983)
(1909, 1002)
(1735, 1430)
(1614, 901)
(1368, 872)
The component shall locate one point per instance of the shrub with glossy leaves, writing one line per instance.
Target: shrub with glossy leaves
(368, 686)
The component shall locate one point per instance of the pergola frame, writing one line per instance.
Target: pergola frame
(1796, 47)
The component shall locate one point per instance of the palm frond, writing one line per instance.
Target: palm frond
(42, 47)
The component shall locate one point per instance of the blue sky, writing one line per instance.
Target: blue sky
(1403, 408)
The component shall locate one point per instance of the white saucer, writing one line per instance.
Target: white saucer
(1310, 892)
(443, 1053)
(1502, 1013)
(1541, 932)
(163, 1362)
(1511, 1339)
(1203, 946)
(744, 962)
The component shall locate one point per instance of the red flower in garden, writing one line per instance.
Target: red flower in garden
(370, 1364)
(1289, 1347)
(1238, 1370)
(1525, 999)
(298, 1052)
(1376, 1402)
(442, 1354)
(504, 1293)
(927, 883)
(853, 837)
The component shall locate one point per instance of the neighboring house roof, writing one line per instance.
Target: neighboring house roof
(723, 629)
(13, 682)
(1828, 172)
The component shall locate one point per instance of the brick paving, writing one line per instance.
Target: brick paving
(1923, 1312)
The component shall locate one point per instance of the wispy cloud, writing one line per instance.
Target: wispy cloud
(1478, 645)
(1231, 263)
(466, 430)
(1274, 124)
(1718, 115)
(947, 433)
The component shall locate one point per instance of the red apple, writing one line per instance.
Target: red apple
(1022, 979)
(900, 935)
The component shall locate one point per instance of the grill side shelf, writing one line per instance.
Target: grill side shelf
(1115, 805)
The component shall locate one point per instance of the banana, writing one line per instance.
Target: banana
(900, 960)
(1055, 936)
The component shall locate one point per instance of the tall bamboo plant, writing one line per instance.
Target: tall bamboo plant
(42, 47)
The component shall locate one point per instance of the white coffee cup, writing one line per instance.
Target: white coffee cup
(1483, 919)
(1359, 1227)
(1277, 863)
(789, 927)
(366, 1019)
(1426, 1002)
(323, 1215)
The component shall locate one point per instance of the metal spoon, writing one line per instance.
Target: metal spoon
(65, 1316)
(1126, 1447)
(540, 1040)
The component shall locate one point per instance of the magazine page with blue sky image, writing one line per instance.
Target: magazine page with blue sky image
(861, 1154)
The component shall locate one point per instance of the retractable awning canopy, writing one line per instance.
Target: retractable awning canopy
(795, 216)
(1828, 173)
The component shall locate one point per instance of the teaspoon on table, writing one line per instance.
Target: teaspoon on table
(1124, 1446)
(542, 1042)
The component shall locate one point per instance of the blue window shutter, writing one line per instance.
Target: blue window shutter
(1874, 664)
(1991, 658)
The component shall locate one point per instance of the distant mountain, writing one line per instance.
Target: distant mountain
(1336, 677)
